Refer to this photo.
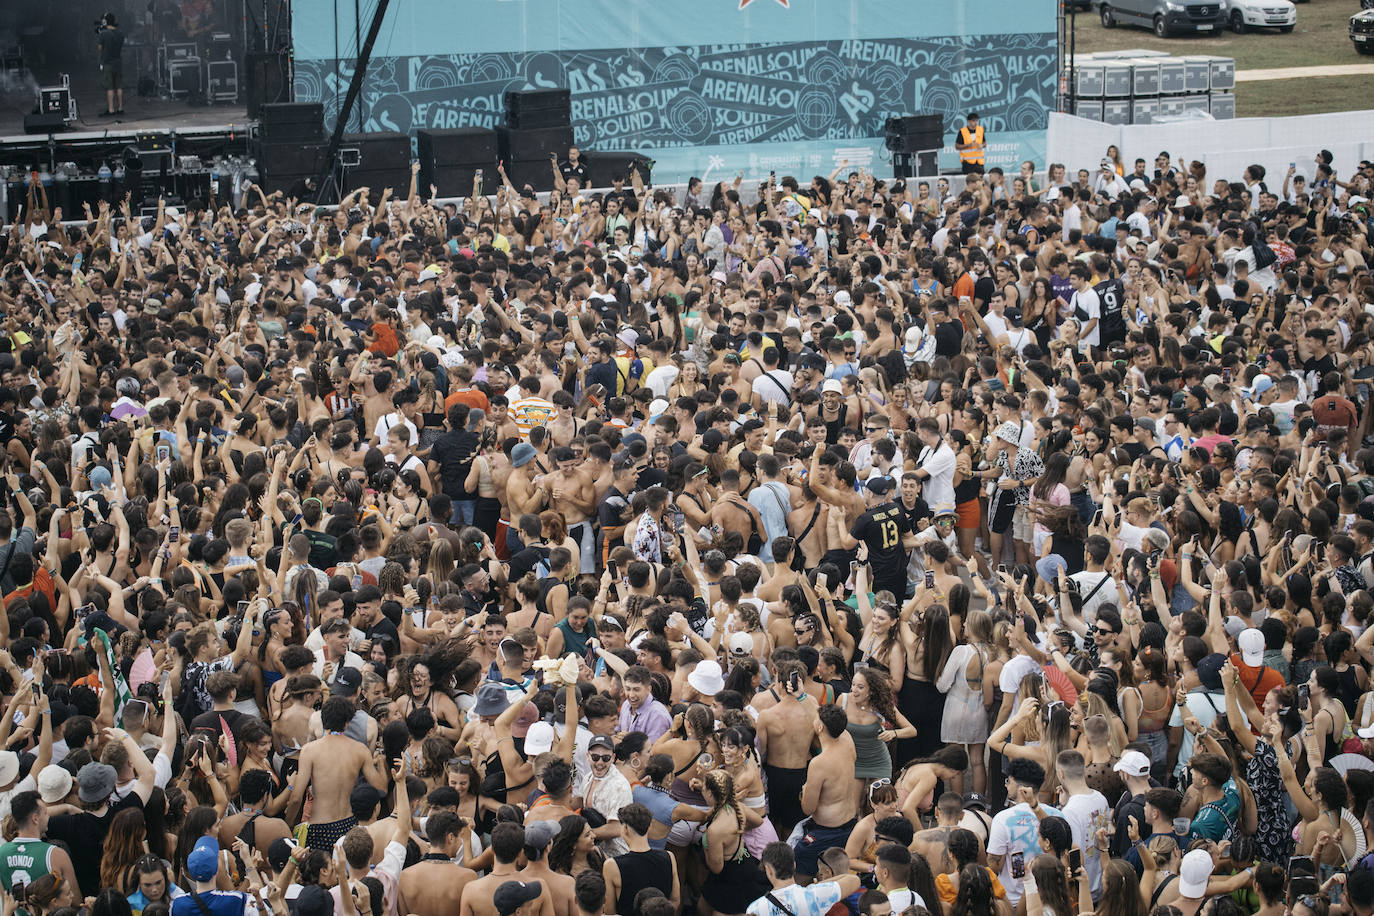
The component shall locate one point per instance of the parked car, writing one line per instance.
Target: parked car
(1261, 14)
(1362, 31)
(1165, 17)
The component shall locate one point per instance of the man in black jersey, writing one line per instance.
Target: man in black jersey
(884, 528)
(1112, 294)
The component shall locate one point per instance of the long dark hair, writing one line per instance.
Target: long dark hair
(975, 892)
(938, 641)
(1056, 469)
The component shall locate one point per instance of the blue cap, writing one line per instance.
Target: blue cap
(99, 477)
(203, 862)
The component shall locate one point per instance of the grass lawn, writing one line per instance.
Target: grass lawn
(1277, 98)
(1321, 38)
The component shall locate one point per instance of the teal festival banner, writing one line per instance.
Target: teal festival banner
(793, 90)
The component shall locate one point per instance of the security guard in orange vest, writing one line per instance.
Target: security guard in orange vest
(971, 145)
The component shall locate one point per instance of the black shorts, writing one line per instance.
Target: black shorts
(1002, 511)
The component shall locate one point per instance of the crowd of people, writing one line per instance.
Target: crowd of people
(853, 546)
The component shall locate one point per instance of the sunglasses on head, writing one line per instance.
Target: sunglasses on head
(876, 784)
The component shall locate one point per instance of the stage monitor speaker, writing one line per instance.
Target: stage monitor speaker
(463, 146)
(292, 122)
(265, 81)
(539, 143)
(603, 168)
(48, 122)
(538, 108)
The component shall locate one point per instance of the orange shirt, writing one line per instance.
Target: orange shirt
(964, 286)
(42, 581)
(386, 343)
(473, 397)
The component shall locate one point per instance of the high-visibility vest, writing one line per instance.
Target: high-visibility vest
(972, 152)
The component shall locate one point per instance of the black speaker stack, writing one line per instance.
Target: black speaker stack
(538, 127)
(376, 161)
(450, 160)
(291, 143)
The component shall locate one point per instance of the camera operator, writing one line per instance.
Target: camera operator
(111, 41)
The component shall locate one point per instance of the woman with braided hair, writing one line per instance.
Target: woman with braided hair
(735, 878)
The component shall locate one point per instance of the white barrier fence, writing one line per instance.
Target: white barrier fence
(1225, 147)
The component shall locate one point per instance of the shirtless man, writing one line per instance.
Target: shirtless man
(330, 766)
(783, 573)
(807, 521)
(257, 829)
(832, 480)
(571, 494)
(431, 884)
(507, 840)
(828, 797)
(538, 836)
(934, 843)
(523, 494)
(499, 417)
(732, 512)
(786, 733)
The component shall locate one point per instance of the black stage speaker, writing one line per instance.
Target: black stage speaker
(538, 108)
(536, 143)
(449, 159)
(603, 168)
(475, 146)
(291, 158)
(265, 81)
(537, 173)
(292, 122)
(377, 161)
(45, 122)
(914, 133)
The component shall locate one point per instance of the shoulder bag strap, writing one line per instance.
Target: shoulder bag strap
(772, 378)
(815, 514)
(1100, 582)
(772, 898)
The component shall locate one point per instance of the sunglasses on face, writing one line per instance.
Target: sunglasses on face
(599, 758)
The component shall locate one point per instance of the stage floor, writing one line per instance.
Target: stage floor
(140, 113)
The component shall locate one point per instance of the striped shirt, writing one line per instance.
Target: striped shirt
(531, 412)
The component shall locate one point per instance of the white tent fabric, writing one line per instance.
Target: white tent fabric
(1225, 147)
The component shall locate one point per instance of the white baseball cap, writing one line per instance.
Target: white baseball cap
(741, 644)
(1194, 872)
(1133, 763)
(539, 739)
(1251, 644)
